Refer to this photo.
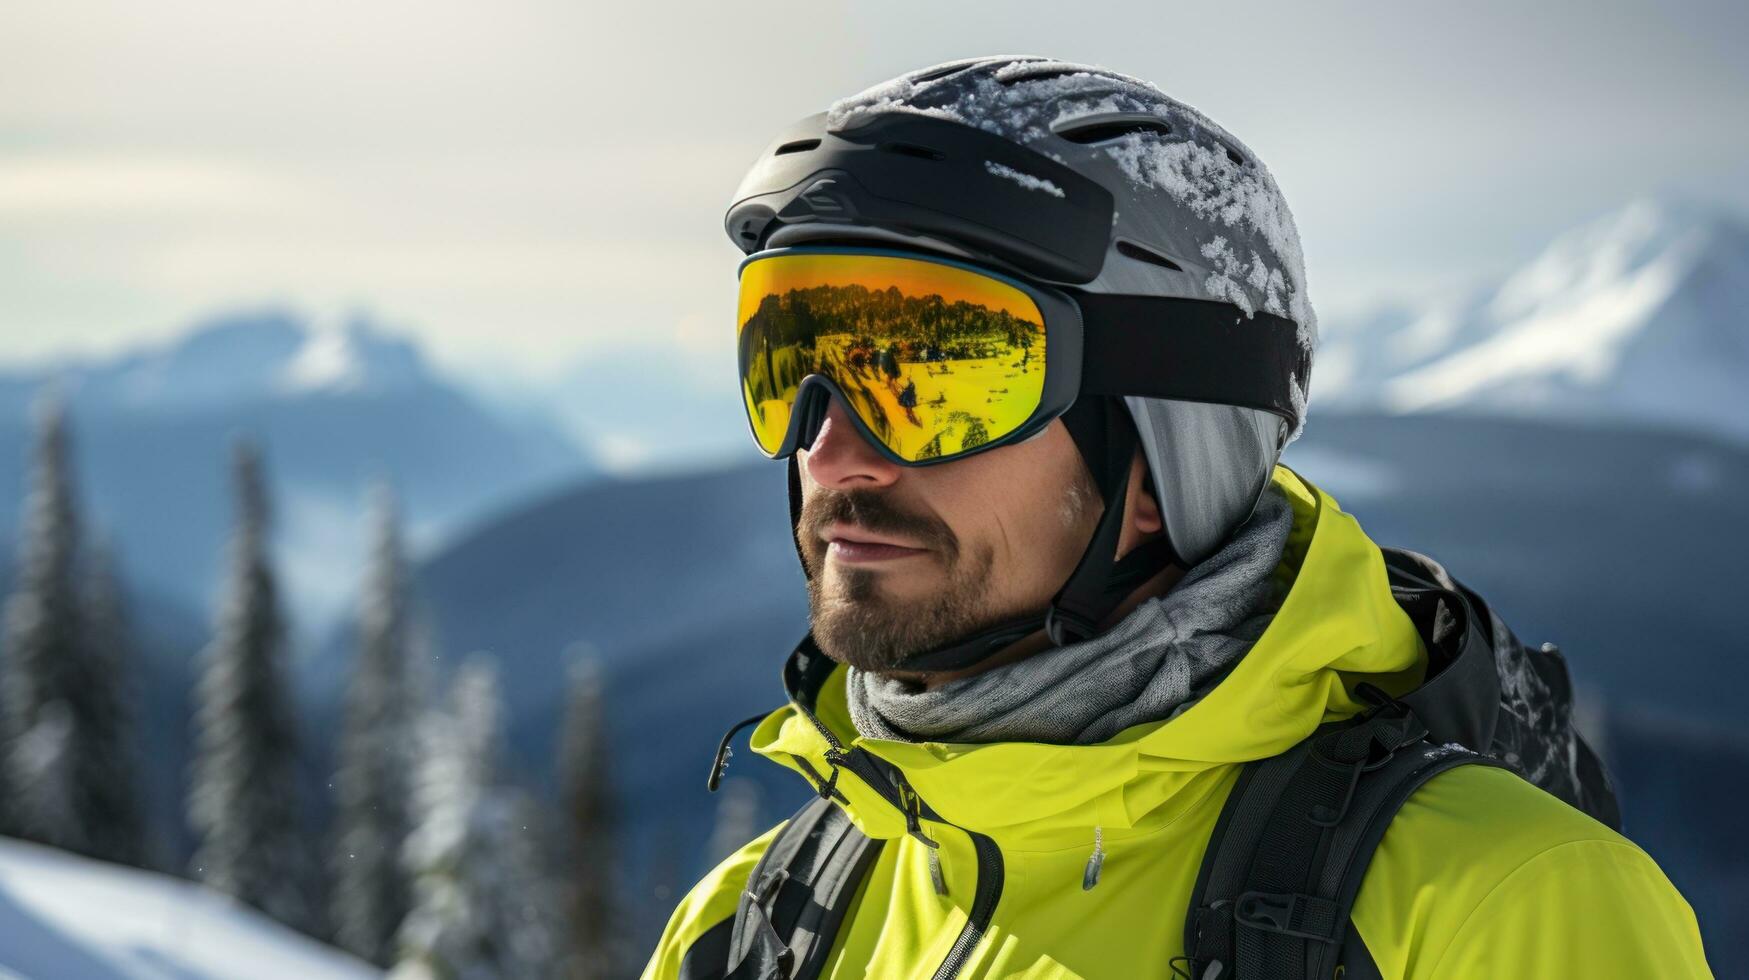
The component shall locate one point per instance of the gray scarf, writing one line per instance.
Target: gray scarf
(1169, 649)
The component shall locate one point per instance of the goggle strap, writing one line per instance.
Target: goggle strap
(1190, 350)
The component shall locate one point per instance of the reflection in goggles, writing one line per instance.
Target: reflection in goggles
(934, 359)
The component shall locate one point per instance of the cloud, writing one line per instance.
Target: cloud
(48, 185)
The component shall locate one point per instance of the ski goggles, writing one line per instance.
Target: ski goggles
(935, 359)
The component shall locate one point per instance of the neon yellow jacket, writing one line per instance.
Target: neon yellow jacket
(1480, 875)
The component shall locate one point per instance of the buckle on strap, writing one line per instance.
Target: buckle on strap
(1363, 747)
(1290, 914)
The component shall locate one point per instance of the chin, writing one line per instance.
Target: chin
(878, 588)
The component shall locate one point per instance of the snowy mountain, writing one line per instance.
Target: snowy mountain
(1639, 315)
(333, 407)
(68, 918)
(237, 357)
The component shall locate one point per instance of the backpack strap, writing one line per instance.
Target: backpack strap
(797, 896)
(1285, 862)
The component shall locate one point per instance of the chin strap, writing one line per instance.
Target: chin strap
(1106, 437)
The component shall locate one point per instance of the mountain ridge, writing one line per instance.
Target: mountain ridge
(1637, 314)
(334, 406)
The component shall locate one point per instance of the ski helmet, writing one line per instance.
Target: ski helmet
(1081, 178)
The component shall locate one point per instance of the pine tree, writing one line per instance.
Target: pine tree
(68, 762)
(43, 648)
(244, 803)
(371, 894)
(587, 799)
(480, 901)
(114, 809)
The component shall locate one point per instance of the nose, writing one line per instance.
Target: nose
(841, 459)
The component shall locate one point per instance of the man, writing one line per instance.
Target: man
(1070, 626)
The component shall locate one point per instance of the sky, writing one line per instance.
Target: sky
(519, 185)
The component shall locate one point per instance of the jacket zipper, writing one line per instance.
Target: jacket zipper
(990, 864)
(989, 892)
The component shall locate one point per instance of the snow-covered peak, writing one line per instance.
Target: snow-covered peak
(1599, 256)
(356, 356)
(327, 359)
(1639, 313)
(246, 355)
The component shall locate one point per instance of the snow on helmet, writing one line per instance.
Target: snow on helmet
(1194, 214)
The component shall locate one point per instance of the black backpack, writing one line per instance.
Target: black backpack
(1293, 841)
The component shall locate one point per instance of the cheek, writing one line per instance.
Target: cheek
(1056, 528)
(1020, 511)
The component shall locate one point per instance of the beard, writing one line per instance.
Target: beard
(856, 622)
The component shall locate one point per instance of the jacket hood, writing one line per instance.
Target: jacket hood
(1338, 626)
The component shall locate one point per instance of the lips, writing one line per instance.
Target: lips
(853, 544)
(840, 531)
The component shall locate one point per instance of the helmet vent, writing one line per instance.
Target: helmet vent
(1140, 254)
(1039, 74)
(1100, 131)
(797, 146)
(913, 150)
(1234, 155)
(944, 71)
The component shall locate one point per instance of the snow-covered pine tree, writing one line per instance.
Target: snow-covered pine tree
(478, 895)
(68, 763)
(244, 802)
(377, 752)
(587, 799)
(43, 648)
(114, 808)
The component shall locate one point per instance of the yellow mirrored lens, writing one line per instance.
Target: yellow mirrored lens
(935, 359)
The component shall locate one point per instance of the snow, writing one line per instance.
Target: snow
(1194, 165)
(1447, 750)
(1637, 315)
(1241, 197)
(327, 360)
(1027, 181)
(64, 917)
(42, 771)
(481, 906)
(1568, 314)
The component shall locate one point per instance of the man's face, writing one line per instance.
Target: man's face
(905, 559)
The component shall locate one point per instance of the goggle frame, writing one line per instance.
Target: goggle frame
(1062, 328)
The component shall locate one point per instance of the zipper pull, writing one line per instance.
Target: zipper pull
(1095, 863)
(913, 807)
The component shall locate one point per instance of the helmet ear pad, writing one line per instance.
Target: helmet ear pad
(1210, 465)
